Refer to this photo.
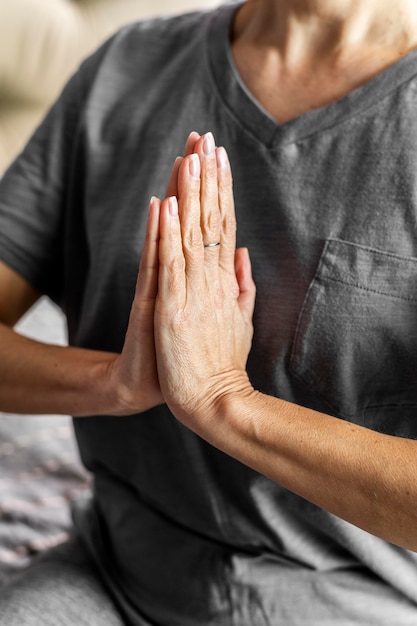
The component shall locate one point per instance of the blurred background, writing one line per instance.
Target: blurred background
(42, 43)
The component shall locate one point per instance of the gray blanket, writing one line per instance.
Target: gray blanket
(40, 470)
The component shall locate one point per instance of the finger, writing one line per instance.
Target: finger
(147, 283)
(210, 215)
(172, 187)
(191, 142)
(247, 289)
(227, 211)
(171, 277)
(189, 213)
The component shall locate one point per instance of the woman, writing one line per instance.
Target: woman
(314, 102)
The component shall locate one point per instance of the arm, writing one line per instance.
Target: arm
(203, 332)
(41, 378)
(367, 478)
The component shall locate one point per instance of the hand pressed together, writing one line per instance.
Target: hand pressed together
(205, 297)
(190, 327)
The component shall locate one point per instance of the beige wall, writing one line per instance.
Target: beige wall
(41, 44)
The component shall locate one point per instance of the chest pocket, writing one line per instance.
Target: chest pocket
(356, 339)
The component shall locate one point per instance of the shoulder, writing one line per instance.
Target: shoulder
(151, 42)
(167, 29)
(147, 59)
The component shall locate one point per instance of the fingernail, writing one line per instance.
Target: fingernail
(194, 165)
(151, 202)
(208, 144)
(222, 158)
(173, 206)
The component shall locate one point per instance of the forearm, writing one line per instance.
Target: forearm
(364, 477)
(203, 332)
(41, 378)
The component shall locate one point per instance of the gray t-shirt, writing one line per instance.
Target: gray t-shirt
(326, 204)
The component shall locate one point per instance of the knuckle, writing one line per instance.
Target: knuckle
(210, 173)
(212, 220)
(194, 239)
(181, 318)
(176, 268)
(225, 184)
(229, 225)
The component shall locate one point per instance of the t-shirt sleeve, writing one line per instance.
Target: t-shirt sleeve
(35, 189)
(32, 197)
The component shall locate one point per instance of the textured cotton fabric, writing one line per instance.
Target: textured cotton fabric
(326, 204)
(61, 588)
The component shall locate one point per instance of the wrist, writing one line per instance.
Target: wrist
(98, 386)
(239, 412)
(224, 415)
(128, 392)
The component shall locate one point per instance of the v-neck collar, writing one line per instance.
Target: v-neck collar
(252, 115)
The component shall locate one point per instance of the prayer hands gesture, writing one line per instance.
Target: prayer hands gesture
(190, 327)
(205, 300)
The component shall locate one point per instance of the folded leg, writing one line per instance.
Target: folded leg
(61, 588)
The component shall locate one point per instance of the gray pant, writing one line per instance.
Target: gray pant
(61, 588)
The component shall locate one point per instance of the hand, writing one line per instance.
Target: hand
(133, 374)
(203, 314)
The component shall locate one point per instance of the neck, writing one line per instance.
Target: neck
(297, 55)
(328, 30)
